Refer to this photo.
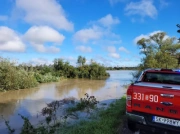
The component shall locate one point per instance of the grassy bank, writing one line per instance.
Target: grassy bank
(108, 122)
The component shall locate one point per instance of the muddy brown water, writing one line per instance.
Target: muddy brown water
(29, 102)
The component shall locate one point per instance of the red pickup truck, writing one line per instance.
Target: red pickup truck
(153, 102)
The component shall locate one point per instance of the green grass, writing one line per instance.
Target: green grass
(108, 122)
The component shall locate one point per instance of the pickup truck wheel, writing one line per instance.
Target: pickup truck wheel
(132, 126)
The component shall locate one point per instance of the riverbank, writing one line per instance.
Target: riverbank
(107, 121)
(106, 117)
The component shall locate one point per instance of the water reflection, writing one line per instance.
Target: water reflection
(10, 101)
(30, 101)
(77, 88)
(16, 95)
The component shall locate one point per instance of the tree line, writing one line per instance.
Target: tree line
(22, 76)
(121, 68)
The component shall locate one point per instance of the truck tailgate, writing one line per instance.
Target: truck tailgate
(157, 99)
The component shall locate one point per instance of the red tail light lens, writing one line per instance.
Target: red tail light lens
(129, 99)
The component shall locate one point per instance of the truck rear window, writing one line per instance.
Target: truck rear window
(167, 78)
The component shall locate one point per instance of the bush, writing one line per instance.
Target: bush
(92, 71)
(87, 102)
(45, 78)
(13, 78)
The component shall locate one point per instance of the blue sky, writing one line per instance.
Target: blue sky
(37, 31)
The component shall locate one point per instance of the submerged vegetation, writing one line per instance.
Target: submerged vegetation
(88, 102)
(20, 76)
(104, 121)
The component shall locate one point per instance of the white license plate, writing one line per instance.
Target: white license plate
(166, 121)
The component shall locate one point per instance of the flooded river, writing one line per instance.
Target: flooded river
(29, 102)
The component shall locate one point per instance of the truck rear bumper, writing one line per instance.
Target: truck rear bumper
(142, 122)
(136, 118)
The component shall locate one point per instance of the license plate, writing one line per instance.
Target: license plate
(166, 121)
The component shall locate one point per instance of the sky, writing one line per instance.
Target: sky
(38, 31)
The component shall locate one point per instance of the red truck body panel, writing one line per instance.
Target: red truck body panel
(154, 99)
(149, 100)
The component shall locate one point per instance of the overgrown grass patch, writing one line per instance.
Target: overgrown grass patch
(107, 123)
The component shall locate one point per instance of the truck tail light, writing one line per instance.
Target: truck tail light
(129, 98)
(128, 101)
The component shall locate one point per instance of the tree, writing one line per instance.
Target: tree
(58, 64)
(159, 50)
(81, 60)
(178, 25)
(178, 55)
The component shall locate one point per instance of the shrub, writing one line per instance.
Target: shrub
(45, 78)
(87, 102)
(13, 77)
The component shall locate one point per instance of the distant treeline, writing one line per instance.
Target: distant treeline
(121, 68)
(13, 76)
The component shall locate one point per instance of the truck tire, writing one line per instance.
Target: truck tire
(132, 126)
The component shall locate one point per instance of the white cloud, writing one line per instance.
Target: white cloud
(49, 49)
(142, 8)
(112, 52)
(99, 30)
(163, 3)
(123, 49)
(155, 32)
(140, 37)
(38, 36)
(114, 55)
(108, 20)
(72, 60)
(44, 12)
(41, 34)
(108, 42)
(3, 17)
(113, 2)
(111, 49)
(103, 60)
(84, 49)
(85, 35)
(10, 41)
(115, 42)
(40, 61)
